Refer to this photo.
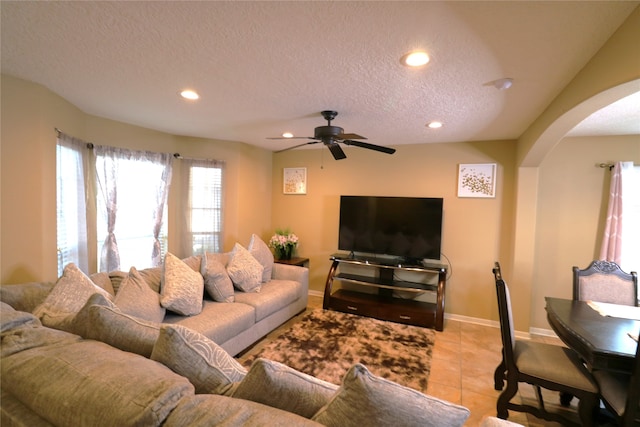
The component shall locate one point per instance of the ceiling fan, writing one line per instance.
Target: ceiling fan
(332, 136)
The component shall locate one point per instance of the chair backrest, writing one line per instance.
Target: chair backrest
(604, 281)
(506, 318)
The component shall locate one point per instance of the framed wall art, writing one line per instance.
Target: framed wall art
(294, 181)
(477, 180)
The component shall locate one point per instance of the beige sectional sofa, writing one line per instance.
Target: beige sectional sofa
(75, 353)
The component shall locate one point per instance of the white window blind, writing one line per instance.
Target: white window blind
(203, 198)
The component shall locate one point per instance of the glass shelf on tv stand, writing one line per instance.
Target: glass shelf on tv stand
(384, 305)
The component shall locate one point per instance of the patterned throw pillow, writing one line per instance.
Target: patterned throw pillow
(261, 252)
(67, 297)
(182, 289)
(279, 386)
(216, 280)
(367, 400)
(137, 299)
(244, 270)
(190, 354)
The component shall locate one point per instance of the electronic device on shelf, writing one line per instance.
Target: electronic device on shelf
(398, 230)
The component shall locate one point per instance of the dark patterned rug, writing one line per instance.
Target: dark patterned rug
(326, 344)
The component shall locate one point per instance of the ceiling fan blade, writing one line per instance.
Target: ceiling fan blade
(379, 148)
(296, 146)
(291, 137)
(350, 136)
(336, 151)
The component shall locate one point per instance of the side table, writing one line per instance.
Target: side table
(300, 262)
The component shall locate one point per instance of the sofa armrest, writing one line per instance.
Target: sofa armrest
(25, 296)
(291, 272)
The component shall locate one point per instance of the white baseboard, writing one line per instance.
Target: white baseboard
(316, 293)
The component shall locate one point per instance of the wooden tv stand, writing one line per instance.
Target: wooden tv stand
(381, 281)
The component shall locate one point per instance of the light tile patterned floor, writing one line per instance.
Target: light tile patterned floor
(465, 356)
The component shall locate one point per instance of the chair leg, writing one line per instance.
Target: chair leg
(505, 397)
(565, 399)
(587, 409)
(498, 375)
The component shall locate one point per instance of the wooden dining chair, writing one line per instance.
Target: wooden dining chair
(543, 366)
(621, 393)
(604, 281)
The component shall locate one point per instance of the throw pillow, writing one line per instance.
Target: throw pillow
(182, 288)
(137, 299)
(104, 281)
(244, 270)
(279, 386)
(101, 320)
(190, 354)
(365, 399)
(216, 280)
(67, 297)
(261, 252)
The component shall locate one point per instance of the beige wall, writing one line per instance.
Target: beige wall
(28, 175)
(573, 196)
(475, 231)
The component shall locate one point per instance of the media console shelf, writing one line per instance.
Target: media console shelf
(382, 282)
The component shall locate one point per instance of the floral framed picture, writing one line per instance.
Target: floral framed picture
(477, 180)
(294, 181)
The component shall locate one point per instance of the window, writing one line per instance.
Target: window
(630, 254)
(71, 207)
(131, 206)
(118, 197)
(202, 182)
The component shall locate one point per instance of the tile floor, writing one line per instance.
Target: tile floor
(464, 358)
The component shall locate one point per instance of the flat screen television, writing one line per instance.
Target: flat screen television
(409, 228)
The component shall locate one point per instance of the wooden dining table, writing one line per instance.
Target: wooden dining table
(603, 342)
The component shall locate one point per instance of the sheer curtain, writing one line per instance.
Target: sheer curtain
(132, 191)
(73, 192)
(623, 213)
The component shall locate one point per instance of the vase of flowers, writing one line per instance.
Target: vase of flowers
(283, 243)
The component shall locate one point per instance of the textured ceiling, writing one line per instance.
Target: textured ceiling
(263, 68)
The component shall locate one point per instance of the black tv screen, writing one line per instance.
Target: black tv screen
(406, 227)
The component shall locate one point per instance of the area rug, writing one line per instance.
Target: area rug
(326, 343)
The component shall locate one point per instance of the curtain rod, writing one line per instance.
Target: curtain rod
(606, 165)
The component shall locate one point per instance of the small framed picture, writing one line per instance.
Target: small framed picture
(294, 181)
(477, 180)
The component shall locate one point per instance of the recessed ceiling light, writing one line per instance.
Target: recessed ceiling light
(434, 125)
(287, 135)
(189, 94)
(415, 59)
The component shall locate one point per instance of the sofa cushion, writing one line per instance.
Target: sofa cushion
(194, 356)
(277, 385)
(182, 288)
(216, 280)
(244, 270)
(365, 399)
(89, 383)
(67, 297)
(218, 321)
(137, 299)
(207, 410)
(261, 252)
(272, 297)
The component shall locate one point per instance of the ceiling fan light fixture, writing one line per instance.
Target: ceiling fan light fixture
(189, 94)
(503, 84)
(434, 125)
(287, 135)
(415, 59)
